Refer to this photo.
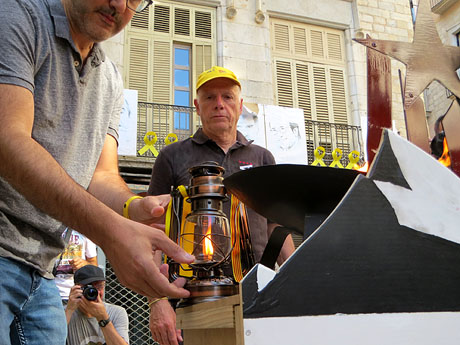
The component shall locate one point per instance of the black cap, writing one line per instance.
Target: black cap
(88, 274)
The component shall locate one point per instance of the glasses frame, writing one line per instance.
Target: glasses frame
(149, 2)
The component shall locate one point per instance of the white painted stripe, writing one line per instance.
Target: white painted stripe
(360, 329)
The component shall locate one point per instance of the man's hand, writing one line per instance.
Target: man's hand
(78, 263)
(163, 324)
(131, 250)
(75, 297)
(94, 308)
(149, 210)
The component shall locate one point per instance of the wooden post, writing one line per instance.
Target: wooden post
(218, 322)
(378, 99)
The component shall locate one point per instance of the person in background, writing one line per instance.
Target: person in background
(79, 251)
(60, 102)
(219, 105)
(89, 319)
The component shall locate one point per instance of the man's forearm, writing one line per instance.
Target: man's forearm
(35, 174)
(111, 335)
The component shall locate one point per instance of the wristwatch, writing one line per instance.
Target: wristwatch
(104, 323)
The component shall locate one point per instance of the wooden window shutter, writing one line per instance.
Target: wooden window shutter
(320, 93)
(138, 67)
(339, 102)
(141, 20)
(203, 58)
(162, 72)
(303, 89)
(284, 83)
(300, 41)
(181, 21)
(317, 43)
(281, 38)
(161, 18)
(203, 24)
(334, 46)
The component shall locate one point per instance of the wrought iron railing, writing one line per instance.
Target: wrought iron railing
(164, 119)
(333, 136)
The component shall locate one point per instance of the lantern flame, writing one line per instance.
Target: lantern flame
(445, 158)
(208, 248)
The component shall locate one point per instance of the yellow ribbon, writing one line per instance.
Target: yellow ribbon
(170, 136)
(320, 152)
(149, 144)
(353, 157)
(336, 155)
(185, 269)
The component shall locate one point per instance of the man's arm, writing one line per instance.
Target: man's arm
(288, 246)
(97, 309)
(75, 296)
(33, 172)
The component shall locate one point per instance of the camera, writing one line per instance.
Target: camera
(90, 292)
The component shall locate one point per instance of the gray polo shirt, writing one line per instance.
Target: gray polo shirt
(76, 105)
(172, 164)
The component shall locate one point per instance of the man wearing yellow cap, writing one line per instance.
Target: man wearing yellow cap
(219, 105)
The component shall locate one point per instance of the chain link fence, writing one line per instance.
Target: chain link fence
(135, 305)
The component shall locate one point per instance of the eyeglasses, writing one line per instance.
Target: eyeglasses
(138, 5)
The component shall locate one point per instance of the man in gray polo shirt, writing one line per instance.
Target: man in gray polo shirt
(60, 102)
(219, 105)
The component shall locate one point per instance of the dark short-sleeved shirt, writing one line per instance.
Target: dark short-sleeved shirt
(172, 165)
(75, 106)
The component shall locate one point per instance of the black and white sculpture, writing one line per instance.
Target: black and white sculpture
(382, 269)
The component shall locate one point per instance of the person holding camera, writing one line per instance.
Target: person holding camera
(89, 319)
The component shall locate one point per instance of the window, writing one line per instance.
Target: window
(310, 73)
(182, 90)
(166, 47)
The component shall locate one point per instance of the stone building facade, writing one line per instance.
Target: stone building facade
(243, 40)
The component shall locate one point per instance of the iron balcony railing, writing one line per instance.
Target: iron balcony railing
(164, 119)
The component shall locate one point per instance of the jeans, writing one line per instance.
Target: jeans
(31, 311)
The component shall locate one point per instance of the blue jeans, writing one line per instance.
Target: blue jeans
(31, 311)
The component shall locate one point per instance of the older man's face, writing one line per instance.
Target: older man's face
(219, 105)
(97, 20)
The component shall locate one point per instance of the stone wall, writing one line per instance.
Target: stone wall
(243, 45)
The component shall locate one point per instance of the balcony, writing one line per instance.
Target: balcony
(164, 119)
(440, 6)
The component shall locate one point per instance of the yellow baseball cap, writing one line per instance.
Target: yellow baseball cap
(216, 72)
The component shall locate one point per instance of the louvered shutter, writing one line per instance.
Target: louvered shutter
(161, 19)
(317, 43)
(181, 21)
(281, 38)
(162, 72)
(338, 92)
(320, 93)
(303, 89)
(334, 47)
(284, 83)
(203, 58)
(300, 41)
(203, 25)
(139, 64)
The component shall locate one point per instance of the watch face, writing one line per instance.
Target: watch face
(103, 323)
